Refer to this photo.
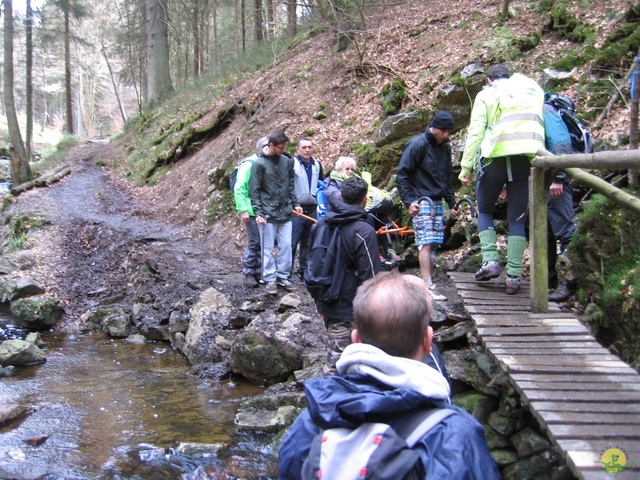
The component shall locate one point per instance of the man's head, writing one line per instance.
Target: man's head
(304, 148)
(346, 165)
(277, 143)
(354, 191)
(494, 72)
(441, 125)
(392, 312)
(262, 142)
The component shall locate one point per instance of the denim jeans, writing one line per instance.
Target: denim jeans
(277, 265)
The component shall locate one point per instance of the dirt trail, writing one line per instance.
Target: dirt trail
(104, 246)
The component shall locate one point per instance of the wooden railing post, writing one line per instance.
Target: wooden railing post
(538, 242)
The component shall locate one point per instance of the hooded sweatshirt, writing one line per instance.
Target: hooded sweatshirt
(374, 386)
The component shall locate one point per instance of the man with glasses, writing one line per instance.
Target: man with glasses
(307, 173)
(273, 197)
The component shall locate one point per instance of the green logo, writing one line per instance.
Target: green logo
(614, 461)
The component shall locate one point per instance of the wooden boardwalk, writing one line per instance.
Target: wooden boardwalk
(585, 398)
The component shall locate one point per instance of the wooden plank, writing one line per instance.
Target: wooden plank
(506, 310)
(577, 386)
(587, 377)
(563, 369)
(597, 407)
(555, 342)
(521, 321)
(555, 359)
(588, 418)
(615, 432)
(522, 303)
(581, 396)
(540, 330)
(540, 350)
(630, 447)
(514, 339)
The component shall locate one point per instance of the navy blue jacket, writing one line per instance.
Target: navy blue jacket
(359, 254)
(453, 449)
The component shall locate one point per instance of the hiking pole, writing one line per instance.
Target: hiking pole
(306, 217)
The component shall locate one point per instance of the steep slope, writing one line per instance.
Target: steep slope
(334, 96)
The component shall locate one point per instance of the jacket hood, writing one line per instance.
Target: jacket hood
(345, 213)
(373, 385)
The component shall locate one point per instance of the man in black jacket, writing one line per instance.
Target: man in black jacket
(361, 260)
(425, 171)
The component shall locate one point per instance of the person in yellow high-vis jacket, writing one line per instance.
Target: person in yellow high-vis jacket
(506, 130)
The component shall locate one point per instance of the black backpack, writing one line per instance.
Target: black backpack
(234, 174)
(581, 140)
(325, 272)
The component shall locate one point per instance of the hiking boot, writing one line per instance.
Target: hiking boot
(250, 281)
(271, 288)
(392, 256)
(560, 294)
(435, 295)
(286, 285)
(489, 270)
(513, 285)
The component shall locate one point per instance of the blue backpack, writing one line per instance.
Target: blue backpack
(581, 141)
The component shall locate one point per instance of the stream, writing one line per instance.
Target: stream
(112, 409)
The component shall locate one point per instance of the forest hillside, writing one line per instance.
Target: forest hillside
(184, 150)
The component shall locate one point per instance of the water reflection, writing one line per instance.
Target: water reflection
(114, 409)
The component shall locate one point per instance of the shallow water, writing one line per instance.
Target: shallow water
(115, 409)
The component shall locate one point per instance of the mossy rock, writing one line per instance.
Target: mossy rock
(392, 96)
(37, 313)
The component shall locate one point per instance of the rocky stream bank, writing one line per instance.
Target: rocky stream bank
(100, 261)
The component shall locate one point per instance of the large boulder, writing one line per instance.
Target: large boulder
(209, 315)
(37, 313)
(21, 288)
(269, 350)
(19, 353)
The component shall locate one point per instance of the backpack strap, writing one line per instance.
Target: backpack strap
(414, 426)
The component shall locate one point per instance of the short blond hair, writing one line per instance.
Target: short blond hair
(342, 162)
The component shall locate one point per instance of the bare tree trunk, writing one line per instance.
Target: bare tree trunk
(257, 20)
(29, 80)
(20, 170)
(196, 38)
(243, 25)
(158, 73)
(270, 19)
(504, 11)
(292, 18)
(215, 34)
(67, 67)
(115, 85)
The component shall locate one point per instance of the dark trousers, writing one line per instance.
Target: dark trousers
(300, 234)
(560, 228)
(252, 257)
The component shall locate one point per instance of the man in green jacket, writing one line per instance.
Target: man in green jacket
(506, 130)
(272, 194)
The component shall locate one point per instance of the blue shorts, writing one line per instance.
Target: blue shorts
(429, 226)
